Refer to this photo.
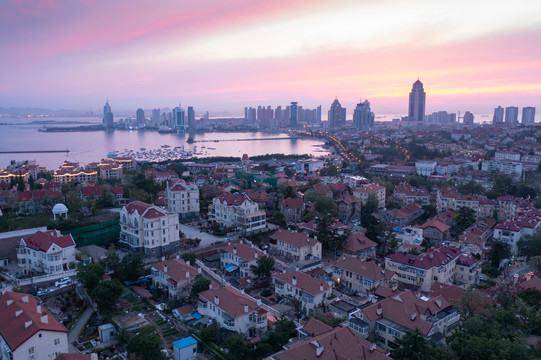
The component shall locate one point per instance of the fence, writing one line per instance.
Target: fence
(97, 234)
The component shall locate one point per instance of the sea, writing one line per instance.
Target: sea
(21, 134)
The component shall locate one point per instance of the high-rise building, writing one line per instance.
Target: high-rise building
(155, 118)
(293, 115)
(468, 118)
(511, 115)
(140, 117)
(498, 115)
(318, 114)
(417, 103)
(191, 117)
(337, 116)
(108, 121)
(179, 118)
(363, 117)
(528, 115)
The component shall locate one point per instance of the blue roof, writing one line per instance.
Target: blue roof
(196, 316)
(398, 229)
(182, 343)
(230, 267)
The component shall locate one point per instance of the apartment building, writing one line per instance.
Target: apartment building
(295, 246)
(237, 211)
(183, 199)
(46, 252)
(309, 291)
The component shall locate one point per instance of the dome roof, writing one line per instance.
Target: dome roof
(60, 209)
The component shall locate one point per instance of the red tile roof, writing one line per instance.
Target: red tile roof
(434, 223)
(233, 199)
(293, 203)
(357, 242)
(298, 239)
(17, 329)
(243, 251)
(434, 257)
(37, 195)
(138, 206)
(176, 269)
(304, 282)
(314, 327)
(230, 300)
(367, 269)
(43, 240)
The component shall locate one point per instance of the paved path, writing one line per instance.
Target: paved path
(206, 238)
(73, 334)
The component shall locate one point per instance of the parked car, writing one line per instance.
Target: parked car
(43, 292)
(63, 282)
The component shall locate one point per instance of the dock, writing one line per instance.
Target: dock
(33, 151)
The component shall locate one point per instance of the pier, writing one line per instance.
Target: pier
(228, 140)
(33, 151)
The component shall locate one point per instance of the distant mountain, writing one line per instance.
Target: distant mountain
(40, 111)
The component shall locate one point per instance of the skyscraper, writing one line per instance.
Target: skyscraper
(528, 115)
(107, 122)
(140, 117)
(337, 116)
(191, 117)
(293, 115)
(363, 118)
(179, 118)
(155, 118)
(468, 118)
(498, 115)
(511, 115)
(417, 102)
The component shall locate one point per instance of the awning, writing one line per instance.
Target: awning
(230, 267)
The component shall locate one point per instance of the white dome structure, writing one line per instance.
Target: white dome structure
(60, 209)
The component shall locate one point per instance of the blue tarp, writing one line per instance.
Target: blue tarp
(182, 343)
(196, 316)
(230, 267)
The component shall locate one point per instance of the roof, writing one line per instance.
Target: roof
(176, 269)
(36, 195)
(230, 300)
(298, 239)
(434, 257)
(32, 318)
(184, 310)
(293, 203)
(305, 282)
(435, 223)
(233, 199)
(349, 199)
(449, 292)
(243, 251)
(74, 357)
(357, 242)
(180, 185)
(43, 240)
(367, 269)
(314, 327)
(138, 206)
(338, 343)
(370, 188)
(97, 190)
(182, 343)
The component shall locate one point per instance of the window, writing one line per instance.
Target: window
(31, 350)
(57, 341)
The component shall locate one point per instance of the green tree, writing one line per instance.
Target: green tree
(236, 344)
(371, 205)
(326, 206)
(199, 285)
(530, 245)
(499, 250)
(131, 266)
(20, 183)
(414, 346)
(279, 218)
(106, 200)
(146, 344)
(105, 295)
(464, 219)
(112, 261)
(209, 333)
(265, 265)
(90, 275)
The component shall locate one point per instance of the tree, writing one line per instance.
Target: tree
(20, 183)
(106, 199)
(464, 219)
(265, 265)
(414, 346)
(146, 344)
(112, 260)
(326, 206)
(279, 218)
(371, 205)
(530, 245)
(131, 266)
(90, 275)
(199, 285)
(236, 344)
(105, 295)
(209, 333)
(500, 250)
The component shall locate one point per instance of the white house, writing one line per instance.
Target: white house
(237, 211)
(308, 290)
(28, 331)
(365, 190)
(233, 310)
(295, 246)
(46, 252)
(173, 275)
(183, 199)
(239, 257)
(148, 229)
(425, 168)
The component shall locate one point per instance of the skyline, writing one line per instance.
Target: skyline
(222, 57)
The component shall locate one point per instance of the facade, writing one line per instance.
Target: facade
(173, 275)
(183, 199)
(360, 276)
(140, 117)
(525, 223)
(293, 209)
(233, 310)
(363, 118)
(336, 116)
(237, 259)
(179, 119)
(417, 102)
(425, 168)
(46, 252)
(468, 118)
(359, 246)
(28, 331)
(293, 115)
(365, 190)
(528, 115)
(107, 121)
(191, 117)
(349, 208)
(511, 115)
(309, 291)
(295, 246)
(237, 211)
(148, 229)
(498, 115)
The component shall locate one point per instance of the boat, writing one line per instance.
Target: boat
(166, 146)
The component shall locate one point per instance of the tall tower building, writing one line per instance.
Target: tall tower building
(337, 116)
(107, 122)
(155, 118)
(293, 124)
(498, 115)
(318, 114)
(528, 115)
(191, 117)
(140, 117)
(179, 118)
(468, 118)
(363, 117)
(417, 103)
(511, 115)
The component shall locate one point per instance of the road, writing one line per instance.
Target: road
(206, 238)
(73, 334)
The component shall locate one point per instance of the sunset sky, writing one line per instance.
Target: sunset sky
(223, 55)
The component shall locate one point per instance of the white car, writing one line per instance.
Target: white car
(63, 282)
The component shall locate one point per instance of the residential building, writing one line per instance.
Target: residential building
(467, 271)
(237, 211)
(174, 276)
(309, 291)
(417, 102)
(46, 252)
(511, 168)
(336, 116)
(528, 115)
(410, 235)
(349, 208)
(161, 176)
(425, 168)
(37, 201)
(359, 246)
(293, 209)
(28, 331)
(435, 231)
(356, 275)
(405, 194)
(95, 191)
(295, 246)
(148, 229)
(363, 118)
(365, 190)
(468, 118)
(237, 259)
(233, 310)
(511, 231)
(108, 120)
(498, 115)
(183, 199)
(511, 115)
(402, 217)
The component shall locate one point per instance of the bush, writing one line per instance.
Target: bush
(266, 292)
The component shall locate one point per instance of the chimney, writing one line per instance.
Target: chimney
(176, 257)
(294, 281)
(216, 300)
(321, 287)
(235, 250)
(372, 347)
(18, 312)
(9, 302)
(187, 274)
(44, 319)
(379, 310)
(245, 308)
(165, 268)
(199, 271)
(413, 316)
(256, 255)
(163, 258)
(24, 299)
(28, 324)
(258, 302)
(93, 356)
(38, 309)
(315, 237)
(319, 350)
(242, 241)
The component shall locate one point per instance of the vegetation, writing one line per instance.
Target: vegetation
(105, 295)
(90, 275)
(265, 265)
(199, 285)
(146, 344)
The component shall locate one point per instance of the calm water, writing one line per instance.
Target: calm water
(86, 147)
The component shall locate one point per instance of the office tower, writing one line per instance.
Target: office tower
(155, 118)
(498, 115)
(337, 116)
(468, 118)
(140, 117)
(293, 115)
(528, 115)
(206, 116)
(107, 121)
(318, 114)
(191, 117)
(511, 115)
(179, 118)
(417, 102)
(363, 118)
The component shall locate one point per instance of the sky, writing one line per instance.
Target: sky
(223, 55)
